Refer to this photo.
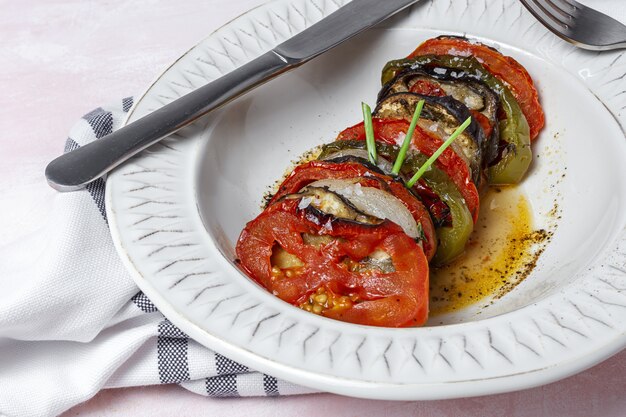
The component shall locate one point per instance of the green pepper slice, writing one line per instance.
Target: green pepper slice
(452, 238)
(515, 152)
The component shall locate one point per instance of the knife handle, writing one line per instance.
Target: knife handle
(74, 170)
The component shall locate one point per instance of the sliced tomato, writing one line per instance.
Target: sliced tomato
(427, 88)
(393, 131)
(503, 67)
(438, 209)
(483, 121)
(318, 170)
(372, 297)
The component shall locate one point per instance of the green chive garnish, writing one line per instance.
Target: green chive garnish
(369, 133)
(407, 140)
(438, 153)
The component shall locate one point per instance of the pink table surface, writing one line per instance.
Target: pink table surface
(62, 58)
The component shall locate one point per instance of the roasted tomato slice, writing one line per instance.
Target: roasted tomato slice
(330, 273)
(427, 88)
(319, 170)
(393, 131)
(505, 68)
(483, 121)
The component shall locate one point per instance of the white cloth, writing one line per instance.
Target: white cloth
(73, 322)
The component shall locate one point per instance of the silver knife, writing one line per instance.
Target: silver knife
(74, 170)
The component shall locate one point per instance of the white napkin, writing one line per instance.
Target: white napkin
(72, 321)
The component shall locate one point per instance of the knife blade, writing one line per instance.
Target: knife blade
(73, 170)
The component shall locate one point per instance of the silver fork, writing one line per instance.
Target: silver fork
(578, 24)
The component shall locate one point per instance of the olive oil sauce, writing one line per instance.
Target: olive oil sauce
(501, 252)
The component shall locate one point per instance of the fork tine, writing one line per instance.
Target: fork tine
(572, 3)
(559, 6)
(541, 12)
(578, 24)
(556, 14)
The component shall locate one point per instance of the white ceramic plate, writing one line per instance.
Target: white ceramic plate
(176, 210)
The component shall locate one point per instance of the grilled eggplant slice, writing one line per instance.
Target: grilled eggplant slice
(441, 116)
(345, 199)
(328, 202)
(372, 202)
(514, 152)
(359, 155)
(474, 94)
(450, 213)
